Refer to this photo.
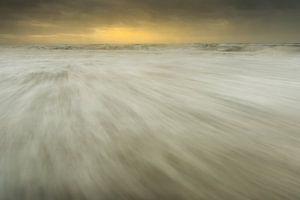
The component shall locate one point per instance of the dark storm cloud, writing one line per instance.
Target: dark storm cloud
(197, 7)
(21, 16)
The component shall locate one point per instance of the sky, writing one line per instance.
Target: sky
(149, 21)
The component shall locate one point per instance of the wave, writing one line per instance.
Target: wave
(219, 47)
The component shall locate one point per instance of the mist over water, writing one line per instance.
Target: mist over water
(150, 122)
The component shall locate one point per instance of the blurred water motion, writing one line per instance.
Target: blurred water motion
(138, 122)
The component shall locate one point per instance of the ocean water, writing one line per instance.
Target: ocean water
(150, 122)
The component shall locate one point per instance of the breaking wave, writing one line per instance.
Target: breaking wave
(293, 47)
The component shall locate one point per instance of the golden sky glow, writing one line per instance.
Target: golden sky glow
(126, 35)
(113, 34)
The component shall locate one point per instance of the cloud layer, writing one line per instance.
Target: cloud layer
(190, 20)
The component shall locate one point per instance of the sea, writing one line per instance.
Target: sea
(150, 122)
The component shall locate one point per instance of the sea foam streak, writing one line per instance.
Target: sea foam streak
(150, 122)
